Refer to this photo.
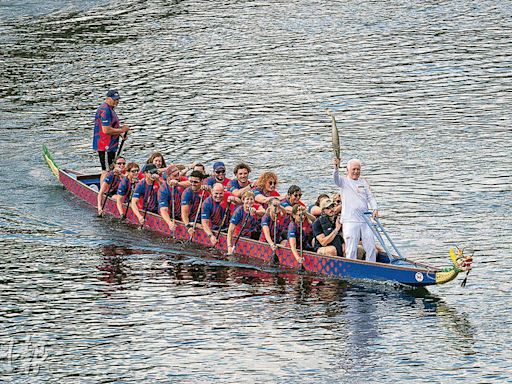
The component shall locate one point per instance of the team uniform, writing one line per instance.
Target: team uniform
(165, 198)
(211, 181)
(323, 225)
(192, 199)
(357, 199)
(294, 232)
(282, 227)
(101, 142)
(125, 188)
(113, 181)
(252, 222)
(288, 218)
(215, 211)
(147, 195)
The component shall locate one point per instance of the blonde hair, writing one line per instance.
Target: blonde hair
(247, 194)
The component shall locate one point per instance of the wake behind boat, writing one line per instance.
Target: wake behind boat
(389, 267)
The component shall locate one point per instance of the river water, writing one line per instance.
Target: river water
(421, 90)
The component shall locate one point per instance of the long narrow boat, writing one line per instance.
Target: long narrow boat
(388, 268)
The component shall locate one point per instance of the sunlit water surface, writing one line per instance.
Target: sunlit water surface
(422, 95)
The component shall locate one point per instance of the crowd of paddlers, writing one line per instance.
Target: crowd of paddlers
(214, 202)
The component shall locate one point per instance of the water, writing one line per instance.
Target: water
(421, 92)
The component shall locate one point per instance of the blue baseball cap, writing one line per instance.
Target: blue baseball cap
(218, 165)
(151, 168)
(113, 94)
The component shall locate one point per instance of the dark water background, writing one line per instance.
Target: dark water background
(422, 92)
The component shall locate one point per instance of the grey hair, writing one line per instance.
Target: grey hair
(353, 161)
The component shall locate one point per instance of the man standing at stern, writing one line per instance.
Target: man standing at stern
(357, 199)
(107, 130)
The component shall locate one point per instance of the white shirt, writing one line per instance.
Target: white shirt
(357, 198)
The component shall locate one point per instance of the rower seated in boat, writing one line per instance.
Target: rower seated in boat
(246, 221)
(145, 196)
(216, 211)
(191, 201)
(111, 182)
(126, 187)
(327, 231)
(274, 220)
(315, 209)
(265, 188)
(297, 237)
(169, 197)
(218, 175)
(241, 183)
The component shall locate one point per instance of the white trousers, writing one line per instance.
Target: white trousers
(352, 233)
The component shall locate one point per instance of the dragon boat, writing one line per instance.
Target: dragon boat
(389, 267)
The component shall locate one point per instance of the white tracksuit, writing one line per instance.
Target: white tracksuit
(357, 199)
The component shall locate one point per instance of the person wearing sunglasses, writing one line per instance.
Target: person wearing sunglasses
(327, 231)
(241, 183)
(336, 199)
(219, 175)
(145, 196)
(111, 182)
(357, 198)
(126, 186)
(107, 131)
(191, 201)
(169, 196)
(265, 188)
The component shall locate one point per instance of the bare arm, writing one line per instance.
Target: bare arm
(135, 208)
(185, 210)
(268, 237)
(164, 212)
(107, 129)
(231, 231)
(119, 204)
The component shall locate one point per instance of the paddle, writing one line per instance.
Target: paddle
(195, 220)
(129, 200)
(244, 222)
(146, 202)
(274, 258)
(335, 135)
(172, 207)
(106, 194)
(226, 214)
(301, 220)
(121, 145)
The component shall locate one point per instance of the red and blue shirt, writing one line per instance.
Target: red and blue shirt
(165, 198)
(147, 195)
(252, 222)
(215, 211)
(282, 225)
(113, 182)
(106, 116)
(125, 186)
(192, 199)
